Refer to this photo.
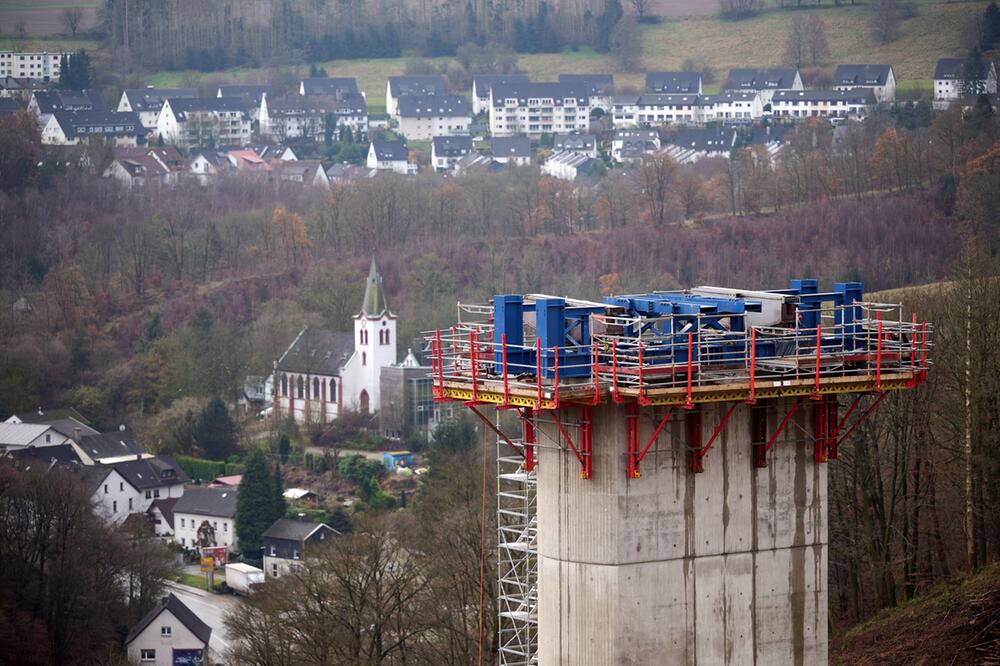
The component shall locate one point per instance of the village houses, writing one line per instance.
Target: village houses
(538, 108)
(422, 117)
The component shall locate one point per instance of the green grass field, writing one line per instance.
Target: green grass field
(934, 33)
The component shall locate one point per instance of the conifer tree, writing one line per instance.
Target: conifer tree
(254, 504)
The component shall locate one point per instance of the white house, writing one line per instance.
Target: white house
(43, 103)
(655, 109)
(950, 80)
(309, 173)
(732, 106)
(537, 108)
(40, 65)
(766, 81)
(161, 516)
(514, 150)
(422, 117)
(857, 103)
(148, 101)
(569, 165)
(879, 78)
(483, 83)
(397, 86)
(390, 155)
(168, 635)
(196, 122)
(131, 487)
(447, 150)
(689, 145)
(294, 116)
(251, 93)
(205, 165)
(634, 144)
(72, 128)
(322, 374)
(600, 87)
(16, 436)
(212, 510)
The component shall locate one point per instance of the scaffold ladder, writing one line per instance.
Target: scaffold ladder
(517, 560)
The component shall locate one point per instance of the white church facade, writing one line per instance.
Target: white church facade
(324, 374)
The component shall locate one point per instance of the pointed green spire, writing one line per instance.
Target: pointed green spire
(374, 304)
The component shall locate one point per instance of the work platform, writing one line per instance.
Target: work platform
(617, 542)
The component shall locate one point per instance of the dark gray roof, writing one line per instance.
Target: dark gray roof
(292, 530)
(183, 614)
(328, 85)
(433, 84)
(862, 75)
(63, 453)
(439, 105)
(317, 351)
(585, 142)
(510, 146)
(220, 502)
(452, 146)
(770, 134)
(854, 95)
(374, 303)
(9, 106)
(546, 89)
(673, 82)
(50, 101)
(151, 99)
(484, 82)
(151, 472)
(707, 139)
(108, 123)
(767, 78)
(184, 105)
(949, 68)
(166, 507)
(663, 99)
(730, 96)
(108, 445)
(633, 134)
(597, 84)
(251, 93)
(390, 149)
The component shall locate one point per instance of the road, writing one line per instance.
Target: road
(211, 608)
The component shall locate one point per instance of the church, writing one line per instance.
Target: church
(324, 374)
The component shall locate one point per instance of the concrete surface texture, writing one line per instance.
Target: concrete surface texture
(724, 567)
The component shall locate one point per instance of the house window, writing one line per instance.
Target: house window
(121, 486)
(114, 506)
(295, 554)
(156, 493)
(48, 438)
(183, 522)
(274, 569)
(147, 655)
(215, 525)
(105, 489)
(149, 494)
(274, 551)
(129, 503)
(166, 631)
(225, 527)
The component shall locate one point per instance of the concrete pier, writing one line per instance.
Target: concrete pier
(724, 567)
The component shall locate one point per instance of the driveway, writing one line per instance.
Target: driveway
(211, 608)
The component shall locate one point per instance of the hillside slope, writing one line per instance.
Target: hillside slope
(956, 622)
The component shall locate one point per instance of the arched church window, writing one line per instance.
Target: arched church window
(301, 387)
(315, 388)
(364, 358)
(333, 391)
(386, 337)
(284, 384)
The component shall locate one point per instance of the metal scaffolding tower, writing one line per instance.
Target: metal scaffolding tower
(517, 559)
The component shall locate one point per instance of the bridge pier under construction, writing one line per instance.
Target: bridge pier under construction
(664, 500)
(728, 566)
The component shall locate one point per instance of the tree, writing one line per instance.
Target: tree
(739, 9)
(76, 71)
(655, 179)
(255, 504)
(817, 46)
(606, 23)
(640, 7)
(991, 28)
(885, 20)
(216, 432)
(71, 17)
(284, 448)
(795, 44)
(626, 45)
(278, 493)
(20, 151)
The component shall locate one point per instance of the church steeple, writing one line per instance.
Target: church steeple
(374, 305)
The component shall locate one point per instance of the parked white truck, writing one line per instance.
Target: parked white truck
(241, 577)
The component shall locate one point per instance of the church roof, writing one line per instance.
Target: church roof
(317, 351)
(374, 304)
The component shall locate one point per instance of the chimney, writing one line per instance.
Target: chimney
(76, 434)
(138, 456)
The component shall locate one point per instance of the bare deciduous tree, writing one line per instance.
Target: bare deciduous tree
(71, 18)
(885, 20)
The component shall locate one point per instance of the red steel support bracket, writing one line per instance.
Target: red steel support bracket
(528, 421)
(820, 432)
(694, 443)
(864, 415)
(635, 456)
(489, 424)
(760, 452)
(758, 434)
(584, 452)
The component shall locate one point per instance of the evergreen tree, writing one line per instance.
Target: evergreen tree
(216, 433)
(613, 13)
(79, 354)
(152, 330)
(284, 448)
(991, 28)
(254, 505)
(277, 494)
